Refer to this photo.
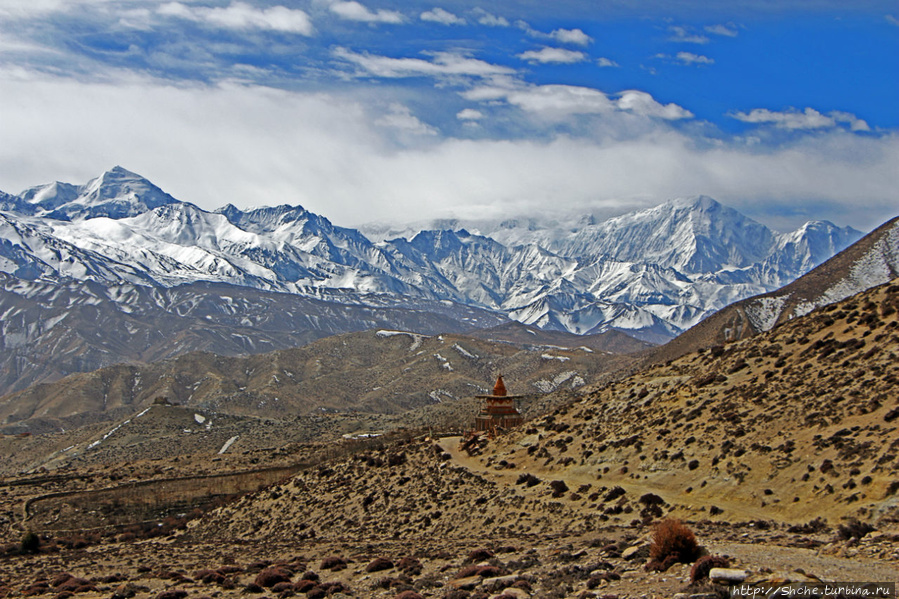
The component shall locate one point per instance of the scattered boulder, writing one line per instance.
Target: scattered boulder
(728, 575)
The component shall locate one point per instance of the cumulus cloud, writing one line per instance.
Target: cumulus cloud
(728, 30)
(469, 114)
(240, 15)
(571, 36)
(807, 119)
(686, 35)
(442, 64)
(548, 55)
(689, 58)
(323, 151)
(355, 11)
(439, 15)
(559, 102)
(643, 104)
(606, 62)
(490, 20)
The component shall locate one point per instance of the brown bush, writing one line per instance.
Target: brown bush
(409, 595)
(316, 592)
(671, 538)
(333, 563)
(378, 564)
(75, 585)
(272, 576)
(478, 555)
(37, 588)
(410, 566)
(704, 565)
(559, 488)
(209, 576)
(172, 594)
(305, 585)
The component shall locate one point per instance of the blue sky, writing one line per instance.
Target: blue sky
(401, 111)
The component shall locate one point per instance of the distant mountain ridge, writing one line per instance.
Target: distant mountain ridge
(871, 261)
(649, 274)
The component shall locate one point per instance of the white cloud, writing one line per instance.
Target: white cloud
(255, 146)
(560, 102)
(438, 15)
(807, 119)
(563, 36)
(553, 56)
(240, 15)
(686, 36)
(490, 20)
(689, 58)
(855, 123)
(728, 30)
(892, 20)
(469, 114)
(400, 117)
(12, 9)
(571, 36)
(606, 62)
(643, 104)
(354, 11)
(443, 64)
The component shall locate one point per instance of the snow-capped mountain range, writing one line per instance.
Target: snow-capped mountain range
(651, 273)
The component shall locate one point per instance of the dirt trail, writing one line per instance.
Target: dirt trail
(735, 510)
(748, 553)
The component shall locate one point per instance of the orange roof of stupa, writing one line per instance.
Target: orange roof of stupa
(499, 389)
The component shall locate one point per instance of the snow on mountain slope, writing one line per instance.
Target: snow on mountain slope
(117, 193)
(651, 273)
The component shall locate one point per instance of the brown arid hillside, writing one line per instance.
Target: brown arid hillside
(612, 341)
(872, 260)
(794, 424)
(778, 452)
(380, 371)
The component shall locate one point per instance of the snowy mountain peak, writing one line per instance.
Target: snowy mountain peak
(117, 193)
(651, 272)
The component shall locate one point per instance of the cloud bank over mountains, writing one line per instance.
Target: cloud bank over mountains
(396, 111)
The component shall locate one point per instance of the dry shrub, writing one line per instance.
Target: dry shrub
(559, 488)
(478, 555)
(490, 571)
(378, 564)
(673, 540)
(854, 530)
(272, 576)
(316, 593)
(333, 563)
(207, 576)
(305, 585)
(410, 566)
(409, 595)
(704, 565)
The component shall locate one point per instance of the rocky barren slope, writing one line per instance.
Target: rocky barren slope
(382, 371)
(779, 451)
(796, 422)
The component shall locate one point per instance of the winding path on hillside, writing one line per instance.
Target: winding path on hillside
(747, 552)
